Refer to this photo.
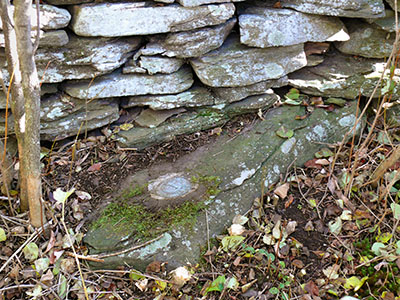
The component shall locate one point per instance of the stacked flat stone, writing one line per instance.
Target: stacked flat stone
(204, 60)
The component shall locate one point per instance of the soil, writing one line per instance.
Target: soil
(117, 165)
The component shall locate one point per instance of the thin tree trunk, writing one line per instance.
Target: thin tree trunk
(17, 103)
(31, 91)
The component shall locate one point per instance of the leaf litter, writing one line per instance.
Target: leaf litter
(330, 235)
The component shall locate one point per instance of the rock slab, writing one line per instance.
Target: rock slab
(234, 64)
(51, 17)
(344, 76)
(341, 8)
(237, 163)
(118, 85)
(142, 18)
(191, 43)
(367, 40)
(269, 27)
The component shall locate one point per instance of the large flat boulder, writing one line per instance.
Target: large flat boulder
(233, 168)
(191, 43)
(271, 27)
(51, 17)
(191, 3)
(387, 23)
(343, 76)
(234, 64)
(341, 8)
(367, 40)
(53, 38)
(62, 116)
(118, 85)
(199, 119)
(193, 97)
(82, 58)
(142, 18)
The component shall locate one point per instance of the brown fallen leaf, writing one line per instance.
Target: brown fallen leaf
(282, 190)
(289, 201)
(95, 167)
(312, 288)
(317, 101)
(237, 260)
(322, 161)
(298, 263)
(153, 267)
(312, 164)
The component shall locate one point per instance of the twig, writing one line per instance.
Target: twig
(129, 271)
(20, 286)
(84, 257)
(33, 236)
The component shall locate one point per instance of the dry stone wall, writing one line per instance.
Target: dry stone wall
(172, 67)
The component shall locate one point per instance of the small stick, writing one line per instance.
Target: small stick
(33, 235)
(84, 257)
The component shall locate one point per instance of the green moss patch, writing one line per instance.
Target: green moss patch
(144, 224)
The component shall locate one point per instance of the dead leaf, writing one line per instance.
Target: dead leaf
(282, 190)
(312, 164)
(289, 201)
(248, 285)
(277, 5)
(95, 167)
(153, 267)
(317, 101)
(51, 243)
(14, 272)
(291, 227)
(309, 226)
(312, 288)
(83, 195)
(252, 274)
(322, 161)
(68, 265)
(237, 260)
(332, 183)
(216, 131)
(47, 277)
(298, 263)
(142, 284)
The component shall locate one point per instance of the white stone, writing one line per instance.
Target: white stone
(234, 64)
(191, 43)
(142, 18)
(195, 96)
(268, 27)
(50, 17)
(118, 85)
(191, 3)
(341, 8)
